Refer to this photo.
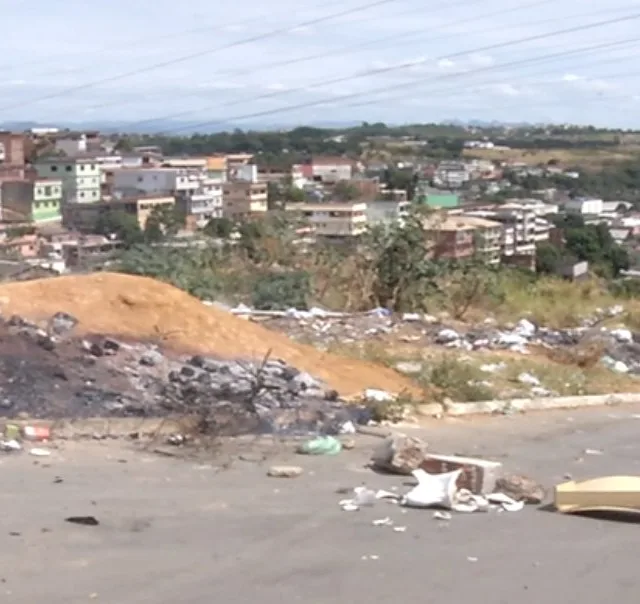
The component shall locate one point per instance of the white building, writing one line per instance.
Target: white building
(200, 195)
(584, 206)
(333, 219)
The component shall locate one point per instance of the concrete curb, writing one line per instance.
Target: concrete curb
(540, 404)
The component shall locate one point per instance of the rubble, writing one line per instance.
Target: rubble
(521, 488)
(399, 454)
(99, 376)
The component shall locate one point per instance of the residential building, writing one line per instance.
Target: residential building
(584, 206)
(204, 203)
(333, 220)
(12, 156)
(71, 144)
(217, 167)
(451, 175)
(487, 238)
(84, 217)
(449, 237)
(276, 174)
(331, 169)
(522, 228)
(243, 199)
(156, 179)
(38, 201)
(243, 173)
(387, 212)
(80, 177)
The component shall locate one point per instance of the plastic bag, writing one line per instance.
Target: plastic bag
(323, 445)
(433, 490)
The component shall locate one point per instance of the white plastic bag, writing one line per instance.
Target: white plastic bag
(433, 490)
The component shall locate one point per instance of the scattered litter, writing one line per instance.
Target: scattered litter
(432, 490)
(10, 445)
(347, 506)
(36, 433)
(472, 559)
(378, 396)
(442, 515)
(371, 557)
(323, 445)
(383, 522)
(348, 428)
(507, 503)
(366, 497)
(478, 475)
(284, 471)
(528, 379)
(39, 452)
(399, 529)
(593, 452)
(83, 520)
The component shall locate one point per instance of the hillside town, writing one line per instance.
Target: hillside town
(57, 187)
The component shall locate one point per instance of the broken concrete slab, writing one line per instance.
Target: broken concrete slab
(399, 454)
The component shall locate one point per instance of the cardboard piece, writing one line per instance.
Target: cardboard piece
(607, 494)
(477, 475)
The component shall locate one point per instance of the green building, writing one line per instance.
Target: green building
(38, 201)
(435, 198)
(80, 177)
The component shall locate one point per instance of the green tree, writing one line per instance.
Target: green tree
(163, 222)
(220, 228)
(548, 258)
(345, 191)
(123, 226)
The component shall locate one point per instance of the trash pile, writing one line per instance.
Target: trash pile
(324, 328)
(139, 309)
(449, 483)
(49, 372)
(16, 438)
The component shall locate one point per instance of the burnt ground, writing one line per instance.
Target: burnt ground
(219, 529)
(50, 374)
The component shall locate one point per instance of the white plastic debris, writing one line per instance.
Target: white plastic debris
(40, 452)
(378, 396)
(508, 504)
(447, 336)
(441, 515)
(10, 445)
(525, 328)
(348, 428)
(383, 522)
(528, 379)
(432, 490)
(593, 452)
(399, 529)
(624, 336)
(493, 367)
(411, 316)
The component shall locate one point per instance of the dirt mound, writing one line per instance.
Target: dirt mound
(146, 309)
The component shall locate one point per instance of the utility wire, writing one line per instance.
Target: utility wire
(158, 38)
(195, 55)
(413, 83)
(341, 50)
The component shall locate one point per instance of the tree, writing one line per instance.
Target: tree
(121, 225)
(164, 221)
(548, 258)
(220, 228)
(345, 191)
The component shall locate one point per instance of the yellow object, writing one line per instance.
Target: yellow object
(609, 493)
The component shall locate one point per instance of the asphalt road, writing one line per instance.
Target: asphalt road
(189, 532)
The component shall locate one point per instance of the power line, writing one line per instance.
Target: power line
(340, 50)
(157, 38)
(195, 55)
(414, 83)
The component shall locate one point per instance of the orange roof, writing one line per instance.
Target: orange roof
(216, 163)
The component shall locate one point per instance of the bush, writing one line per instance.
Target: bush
(279, 291)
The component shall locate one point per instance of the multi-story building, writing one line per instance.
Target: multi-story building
(12, 156)
(217, 167)
(584, 206)
(451, 174)
(449, 237)
(333, 220)
(80, 177)
(331, 169)
(243, 199)
(387, 212)
(84, 217)
(198, 195)
(38, 201)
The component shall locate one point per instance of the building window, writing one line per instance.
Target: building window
(81, 167)
(38, 191)
(81, 194)
(68, 168)
(54, 168)
(47, 191)
(92, 167)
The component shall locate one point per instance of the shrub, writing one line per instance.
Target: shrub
(279, 291)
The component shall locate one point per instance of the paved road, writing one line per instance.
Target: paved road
(176, 531)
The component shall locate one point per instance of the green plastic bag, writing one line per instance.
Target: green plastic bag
(323, 445)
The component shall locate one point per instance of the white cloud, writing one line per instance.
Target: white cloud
(507, 90)
(481, 60)
(446, 64)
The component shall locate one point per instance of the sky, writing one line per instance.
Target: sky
(286, 62)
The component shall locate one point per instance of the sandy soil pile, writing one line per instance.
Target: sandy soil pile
(142, 308)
